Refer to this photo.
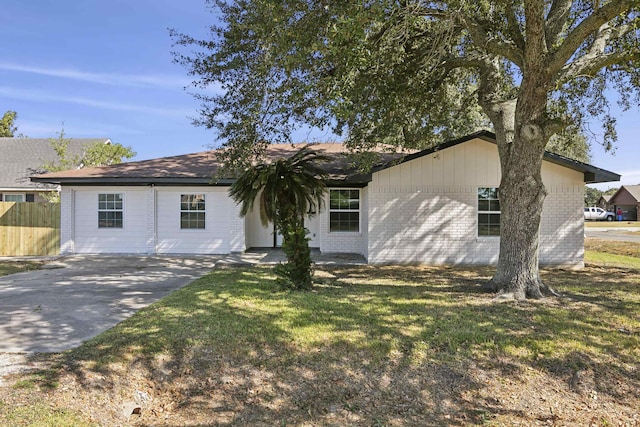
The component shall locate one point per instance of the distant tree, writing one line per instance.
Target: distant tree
(611, 191)
(591, 196)
(7, 124)
(573, 145)
(96, 154)
(286, 190)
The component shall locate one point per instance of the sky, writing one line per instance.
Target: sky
(100, 68)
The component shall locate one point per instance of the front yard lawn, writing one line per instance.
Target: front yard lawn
(612, 224)
(369, 346)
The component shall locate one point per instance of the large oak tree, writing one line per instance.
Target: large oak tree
(412, 73)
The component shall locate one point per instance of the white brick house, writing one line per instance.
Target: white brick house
(434, 206)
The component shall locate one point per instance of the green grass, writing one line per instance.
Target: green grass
(39, 414)
(360, 327)
(11, 267)
(611, 260)
(599, 251)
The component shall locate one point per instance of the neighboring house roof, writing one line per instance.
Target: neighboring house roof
(634, 190)
(20, 158)
(627, 192)
(606, 197)
(199, 168)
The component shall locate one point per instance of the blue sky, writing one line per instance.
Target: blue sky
(104, 69)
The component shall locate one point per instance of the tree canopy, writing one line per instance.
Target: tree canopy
(413, 73)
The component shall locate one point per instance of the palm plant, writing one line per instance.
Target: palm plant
(286, 190)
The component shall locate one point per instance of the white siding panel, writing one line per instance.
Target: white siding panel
(434, 220)
(91, 239)
(220, 214)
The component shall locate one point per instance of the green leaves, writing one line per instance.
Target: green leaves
(286, 189)
(7, 124)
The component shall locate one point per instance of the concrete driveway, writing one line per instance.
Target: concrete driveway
(630, 234)
(78, 297)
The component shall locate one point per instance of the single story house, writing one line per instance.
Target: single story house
(434, 206)
(21, 158)
(627, 198)
(603, 202)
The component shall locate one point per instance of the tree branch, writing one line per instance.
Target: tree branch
(534, 32)
(596, 57)
(556, 19)
(514, 28)
(596, 63)
(588, 26)
(480, 36)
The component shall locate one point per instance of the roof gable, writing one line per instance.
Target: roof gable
(626, 194)
(592, 174)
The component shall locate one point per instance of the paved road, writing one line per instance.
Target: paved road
(78, 297)
(631, 234)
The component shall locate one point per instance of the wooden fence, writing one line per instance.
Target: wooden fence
(29, 228)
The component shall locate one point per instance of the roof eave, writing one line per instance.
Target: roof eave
(104, 181)
(592, 174)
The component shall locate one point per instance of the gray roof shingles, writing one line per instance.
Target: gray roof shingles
(20, 158)
(634, 190)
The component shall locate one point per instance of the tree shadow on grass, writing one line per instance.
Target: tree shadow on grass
(368, 346)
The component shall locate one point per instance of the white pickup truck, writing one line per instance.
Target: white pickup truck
(598, 214)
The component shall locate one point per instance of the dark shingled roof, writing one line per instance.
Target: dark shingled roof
(20, 158)
(200, 168)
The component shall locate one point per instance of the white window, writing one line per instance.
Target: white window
(192, 211)
(344, 210)
(13, 197)
(488, 212)
(110, 210)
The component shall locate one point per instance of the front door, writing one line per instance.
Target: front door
(312, 223)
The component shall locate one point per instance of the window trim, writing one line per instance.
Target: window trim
(478, 212)
(121, 210)
(181, 211)
(359, 210)
(24, 197)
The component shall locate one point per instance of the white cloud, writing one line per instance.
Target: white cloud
(39, 96)
(44, 129)
(140, 80)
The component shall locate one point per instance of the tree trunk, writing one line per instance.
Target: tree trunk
(522, 195)
(521, 134)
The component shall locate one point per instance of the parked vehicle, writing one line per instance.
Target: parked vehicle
(598, 214)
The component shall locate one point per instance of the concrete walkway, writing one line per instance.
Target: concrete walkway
(619, 234)
(276, 255)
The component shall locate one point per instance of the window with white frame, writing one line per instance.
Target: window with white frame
(344, 210)
(110, 210)
(13, 197)
(192, 211)
(488, 212)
